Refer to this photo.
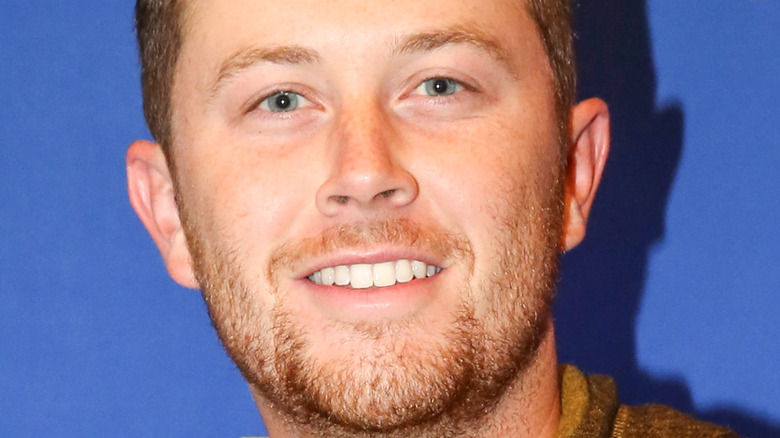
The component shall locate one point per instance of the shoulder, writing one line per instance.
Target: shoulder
(590, 407)
(662, 421)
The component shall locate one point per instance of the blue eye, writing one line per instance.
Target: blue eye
(440, 87)
(283, 101)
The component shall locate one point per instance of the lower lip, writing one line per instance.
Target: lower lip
(373, 304)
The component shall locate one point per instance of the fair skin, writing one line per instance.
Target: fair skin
(420, 115)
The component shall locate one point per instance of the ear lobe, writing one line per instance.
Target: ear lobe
(586, 159)
(150, 188)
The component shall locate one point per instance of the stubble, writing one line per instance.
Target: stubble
(399, 386)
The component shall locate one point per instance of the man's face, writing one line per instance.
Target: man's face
(325, 149)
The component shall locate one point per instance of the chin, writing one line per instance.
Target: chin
(441, 367)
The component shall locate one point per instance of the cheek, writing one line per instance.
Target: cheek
(247, 197)
(493, 173)
(482, 168)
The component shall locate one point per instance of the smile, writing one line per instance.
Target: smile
(365, 275)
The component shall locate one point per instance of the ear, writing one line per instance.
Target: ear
(150, 187)
(586, 158)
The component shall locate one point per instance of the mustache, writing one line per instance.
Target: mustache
(400, 232)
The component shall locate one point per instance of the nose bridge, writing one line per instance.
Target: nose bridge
(366, 171)
(364, 141)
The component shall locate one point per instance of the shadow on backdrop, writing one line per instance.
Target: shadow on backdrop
(604, 279)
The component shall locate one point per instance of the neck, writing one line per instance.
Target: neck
(530, 407)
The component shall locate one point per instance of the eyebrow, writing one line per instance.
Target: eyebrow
(415, 43)
(246, 58)
(471, 35)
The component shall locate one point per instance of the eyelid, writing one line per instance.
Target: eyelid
(254, 104)
(465, 82)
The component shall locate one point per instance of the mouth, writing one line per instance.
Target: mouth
(376, 275)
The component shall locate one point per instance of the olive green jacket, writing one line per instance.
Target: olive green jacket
(590, 409)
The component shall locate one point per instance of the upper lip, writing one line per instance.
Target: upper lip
(368, 256)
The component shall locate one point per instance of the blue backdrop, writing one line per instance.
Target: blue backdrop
(674, 292)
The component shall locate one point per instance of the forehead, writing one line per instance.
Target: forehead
(215, 26)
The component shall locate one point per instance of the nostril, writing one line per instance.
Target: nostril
(387, 187)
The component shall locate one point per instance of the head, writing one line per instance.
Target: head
(371, 196)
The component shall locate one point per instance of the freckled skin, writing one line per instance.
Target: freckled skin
(472, 172)
(370, 163)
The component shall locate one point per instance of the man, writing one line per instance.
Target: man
(372, 197)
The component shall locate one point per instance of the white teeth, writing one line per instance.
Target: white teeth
(341, 275)
(328, 276)
(403, 271)
(418, 269)
(363, 276)
(384, 274)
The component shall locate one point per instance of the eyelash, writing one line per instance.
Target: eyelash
(257, 103)
(458, 83)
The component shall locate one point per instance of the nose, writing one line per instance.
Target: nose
(366, 173)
